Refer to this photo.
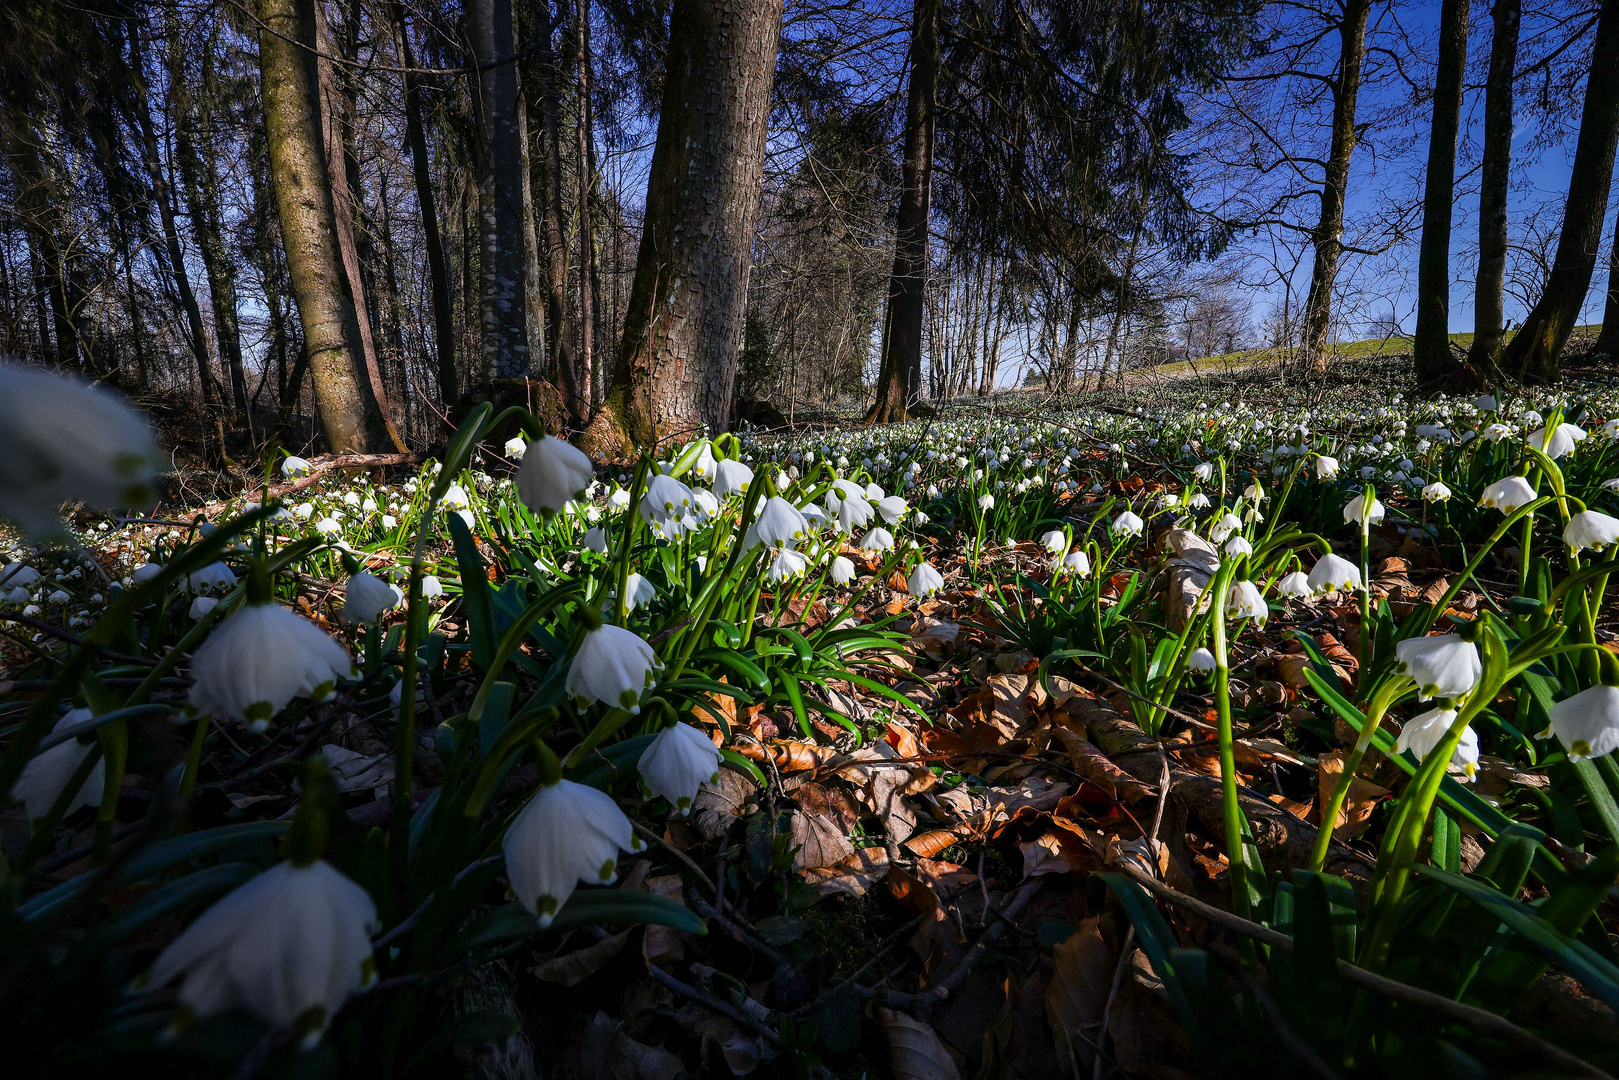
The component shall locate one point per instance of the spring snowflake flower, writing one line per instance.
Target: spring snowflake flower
(1198, 501)
(986, 501)
(1590, 529)
(1228, 524)
(1356, 510)
(924, 580)
(431, 587)
(19, 575)
(366, 597)
(63, 441)
(678, 762)
(1245, 602)
(1127, 524)
(891, 508)
(201, 606)
(1587, 724)
(1204, 472)
(567, 834)
(1426, 730)
(878, 539)
(1495, 432)
(1295, 584)
(853, 512)
(455, 498)
(596, 540)
(516, 447)
(613, 666)
(295, 467)
(1055, 541)
(780, 524)
(1436, 492)
(215, 577)
(731, 477)
(841, 571)
(1334, 573)
(1238, 546)
(289, 946)
(48, 773)
(1200, 660)
(259, 659)
(1558, 441)
(1326, 467)
(786, 566)
(1508, 494)
(639, 590)
(1486, 403)
(1442, 665)
(329, 527)
(553, 473)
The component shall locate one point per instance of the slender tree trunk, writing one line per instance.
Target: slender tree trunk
(899, 375)
(1607, 341)
(587, 243)
(1494, 177)
(1436, 367)
(502, 265)
(575, 389)
(1329, 231)
(676, 369)
(438, 271)
(301, 175)
(1533, 352)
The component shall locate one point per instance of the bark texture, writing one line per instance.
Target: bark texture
(677, 365)
(502, 261)
(1436, 367)
(1494, 177)
(1532, 355)
(899, 378)
(303, 188)
(1329, 231)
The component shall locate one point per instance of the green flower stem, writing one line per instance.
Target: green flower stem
(194, 757)
(1228, 758)
(1384, 696)
(632, 524)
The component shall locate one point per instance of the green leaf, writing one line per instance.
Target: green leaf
(474, 593)
(174, 896)
(1157, 941)
(586, 907)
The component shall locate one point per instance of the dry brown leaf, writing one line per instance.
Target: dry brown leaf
(851, 877)
(915, 1051)
(817, 842)
(790, 755)
(1001, 704)
(1096, 767)
(933, 841)
(1045, 855)
(1359, 802)
(1081, 975)
(718, 805)
(664, 945)
(575, 967)
(934, 638)
(742, 1053)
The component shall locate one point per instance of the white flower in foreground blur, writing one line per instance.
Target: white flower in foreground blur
(841, 571)
(19, 575)
(566, 834)
(986, 501)
(289, 946)
(613, 666)
(1508, 494)
(731, 477)
(259, 659)
(455, 498)
(877, 539)
(201, 606)
(924, 580)
(431, 587)
(295, 467)
(1587, 724)
(516, 447)
(47, 774)
(596, 540)
(63, 441)
(780, 524)
(1426, 730)
(1326, 467)
(1333, 573)
(1436, 492)
(1055, 541)
(366, 597)
(786, 566)
(214, 576)
(678, 762)
(1200, 660)
(1558, 441)
(1127, 524)
(145, 572)
(1590, 529)
(1356, 510)
(1485, 403)
(1245, 602)
(1442, 665)
(553, 473)
(1295, 584)
(891, 508)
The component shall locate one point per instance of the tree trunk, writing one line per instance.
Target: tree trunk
(438, 270)
(1533, 352)
(502, 266)
(300, 173)
(583, 137)
(900, 374)
(676, 368)
(1329, 232)
(1436, 367)
(1494, 177)
(575, 389)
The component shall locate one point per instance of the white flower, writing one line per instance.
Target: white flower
(1127, 524)
(1590, 529)
(145, 572)
(366, 597)
(1611, 429)
(986, 501)
(295, 466)
(1200, 660)
(877, 539)
(678, 762)
(1508, 494)
(1228, 524)
(566, 834)
(1426, 730)
(853, 512)
(1255, 492)
(841, 571)
(1485, 403)
(1294, 584)
(1055, 541)
(455, 498)
(1442, 665)
(780, 524)
(892, 508)
(1496, 432)
(201, 606)
(613, 666)
(619, 499)
(516, 447)
(289, 946)
(63, 441)
(1587, 724)
(1356, 510)
(1198, 501)
(259, 659)
(1557, 442)
(1334, 573)
(49, 772)
(787, 565)
(1436, 492)
(328, 526)
(431, 587)
(17, 575)
(1326, 467)
(1238, 546)
(1245, 602)
(924, 580)
(874, 494)
(553, 472)
(731, 477)
(1204, 472)
(211, 577)
(639, 590)
(596, 540)
(667, 502)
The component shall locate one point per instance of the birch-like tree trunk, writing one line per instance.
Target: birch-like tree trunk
(502, 263)
(1436, 367)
